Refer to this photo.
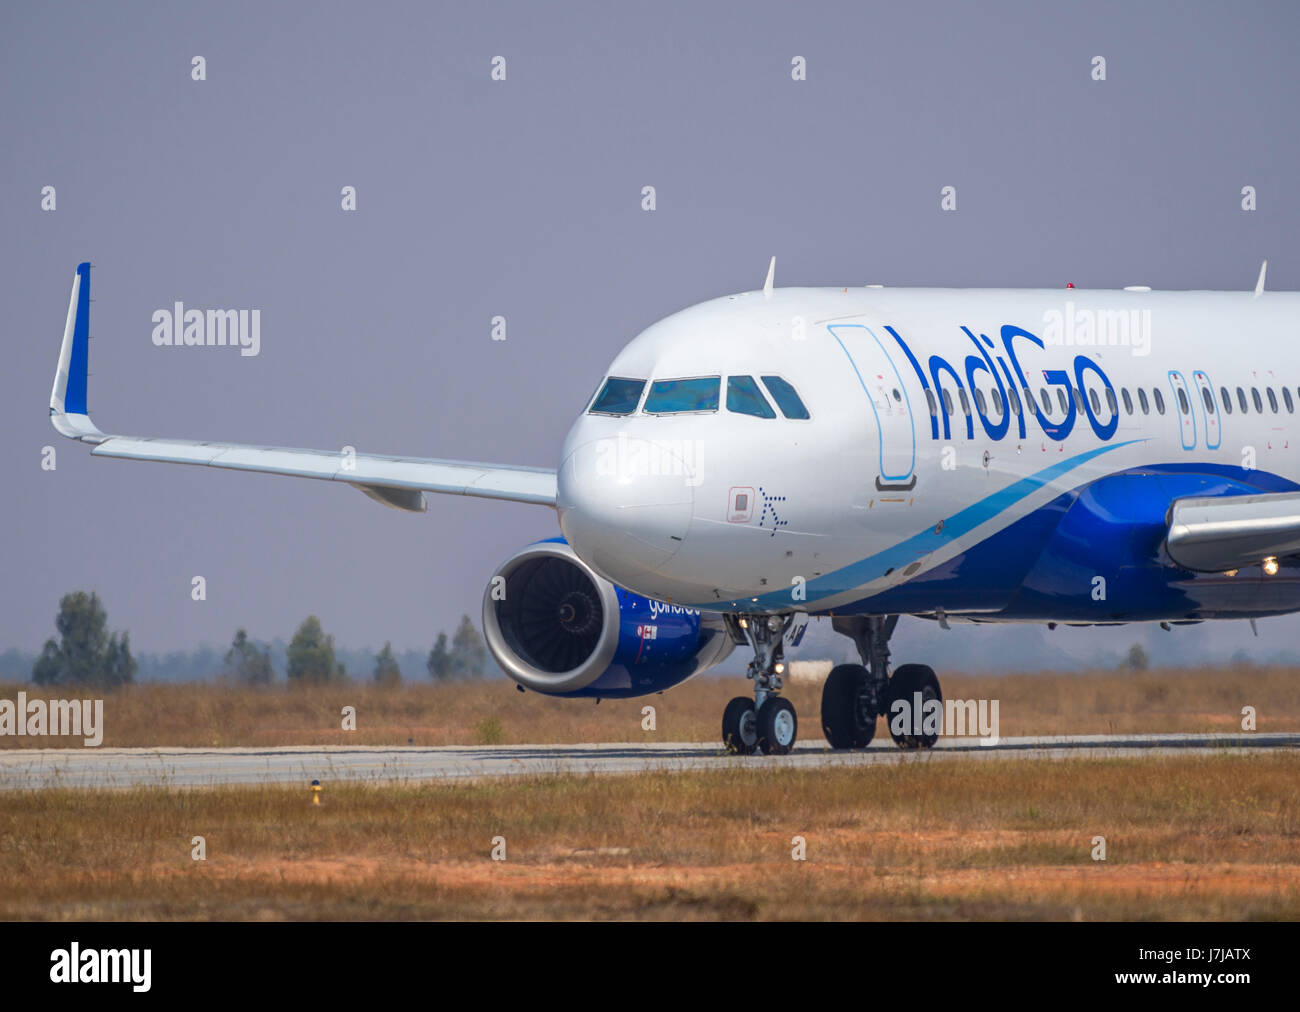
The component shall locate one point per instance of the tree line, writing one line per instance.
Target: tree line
(85, 653)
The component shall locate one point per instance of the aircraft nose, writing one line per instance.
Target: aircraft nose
(625, 503)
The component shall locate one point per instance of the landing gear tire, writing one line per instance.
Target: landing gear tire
(908, 680)
(740, 726)
(778, 726)
(848, 714)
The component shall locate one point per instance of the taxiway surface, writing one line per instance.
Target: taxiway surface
(198, 767)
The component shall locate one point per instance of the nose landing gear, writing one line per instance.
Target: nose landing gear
(768, 723)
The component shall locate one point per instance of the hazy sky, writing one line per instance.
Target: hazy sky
(522, 198)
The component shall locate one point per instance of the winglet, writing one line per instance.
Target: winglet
(68, 410)
(1259, 285)
(771, 274)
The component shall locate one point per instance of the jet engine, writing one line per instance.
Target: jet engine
(555, 626)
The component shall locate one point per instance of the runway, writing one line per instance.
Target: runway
(26, 769)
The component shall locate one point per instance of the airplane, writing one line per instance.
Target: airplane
(863, 453)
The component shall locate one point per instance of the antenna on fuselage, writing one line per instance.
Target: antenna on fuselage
(771, 275)
(1259, 285)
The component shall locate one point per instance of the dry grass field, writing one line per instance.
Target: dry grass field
(1187, 837)
(493, 712)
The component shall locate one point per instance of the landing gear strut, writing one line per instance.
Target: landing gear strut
(768, 723)
(856, 694)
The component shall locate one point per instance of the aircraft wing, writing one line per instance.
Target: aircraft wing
(399, 482)
(1214, 534)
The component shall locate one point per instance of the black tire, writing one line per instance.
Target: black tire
(848, 720)
(908, 680)
(778, 726)
(740, 726)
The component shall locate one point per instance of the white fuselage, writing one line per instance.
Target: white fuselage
(723, 510)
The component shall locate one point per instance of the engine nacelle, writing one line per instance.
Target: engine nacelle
(558, 628)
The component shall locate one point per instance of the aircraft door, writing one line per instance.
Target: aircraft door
(1209, 409)
(895, 430)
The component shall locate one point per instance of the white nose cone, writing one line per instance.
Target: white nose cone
(625, 504)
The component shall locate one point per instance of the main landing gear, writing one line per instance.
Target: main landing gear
(856, 694)
(767, 723)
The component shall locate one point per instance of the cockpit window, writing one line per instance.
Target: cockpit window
(786, 398)
(670, 397)
(744, 398)
(618, 396)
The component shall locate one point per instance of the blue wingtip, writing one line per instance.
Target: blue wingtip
(74, 399)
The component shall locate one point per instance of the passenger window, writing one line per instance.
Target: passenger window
(980, 402)
(786, 398)
(929, 399)
(1225, 399)
(1183, 406)
(1290, 404)
(1045, 399)
(1160, 400)
(1078, 400)
(1142, 401)
(681, 396)
(947, 401)
(996, 397)
(1029, 402)
(1013, 399)
(618, 396)
(1128, 401)
(1209, 400)
(965, 401)
(744, 398)
(1254, 396)
(1272, 399)
(1241, 400)
(1060, 399)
